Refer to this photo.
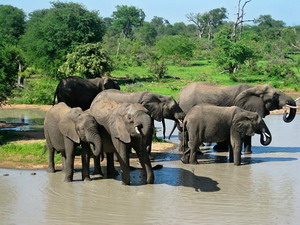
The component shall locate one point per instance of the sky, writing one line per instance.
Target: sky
(176, 10)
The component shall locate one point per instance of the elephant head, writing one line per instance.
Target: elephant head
(162, 107)
(104, 83)
(81, 126)
(247, 123)
(265, 98)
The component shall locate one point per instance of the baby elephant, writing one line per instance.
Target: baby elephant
(65, 128)
(209, 123)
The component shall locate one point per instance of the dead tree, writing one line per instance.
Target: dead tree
(238, 25)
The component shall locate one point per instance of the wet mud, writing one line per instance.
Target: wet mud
(265, 189)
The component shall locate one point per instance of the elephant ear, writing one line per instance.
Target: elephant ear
(251, 99)
(154, 106)
(118, 130)
(67, 124)
(243, 122)
(109, 84)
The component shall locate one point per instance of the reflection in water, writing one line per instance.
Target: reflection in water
(33, 119)
(264, 190)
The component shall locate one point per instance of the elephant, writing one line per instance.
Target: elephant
(79, 92)
(256, 98)
(65, 128)
(210, 123)
(123, 126)
(159, 106)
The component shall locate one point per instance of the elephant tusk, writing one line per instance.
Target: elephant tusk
(292, 107)
(297, 99)
(137, 130)
(266, 134)
(180, 123)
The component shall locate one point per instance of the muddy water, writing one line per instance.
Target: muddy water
(264, 190)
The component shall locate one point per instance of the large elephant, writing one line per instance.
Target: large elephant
(256, 98)
(125, 125)
(209, 123)
(65, 128)
(160, 106)
(79, 92)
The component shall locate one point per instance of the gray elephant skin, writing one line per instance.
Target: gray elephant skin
(256, 98)
(160, 106)
(209, 123)
(123, 126)
(65, 128)
(79, 92)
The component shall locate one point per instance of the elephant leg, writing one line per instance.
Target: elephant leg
(236, 144)
(123, 156)
(63, 160)
(145, 163)
(70, 155)
(110, 169)
(247, 144)
(230, 153)
(51, 166)
(85, 160)
(97, 166)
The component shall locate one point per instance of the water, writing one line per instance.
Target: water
(264, 190)
(33, 119)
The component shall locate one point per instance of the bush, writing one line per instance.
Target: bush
(39, 92)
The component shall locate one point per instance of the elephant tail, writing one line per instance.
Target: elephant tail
(45, 149)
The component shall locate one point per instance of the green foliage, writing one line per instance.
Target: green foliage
(52, 33)
(176, 47)
(39, 92)
(157, 65)
(230, 55)
(125, 18)
(10, 57)
(12, 24)
(25, 153)
(88, 60)
(146, 34)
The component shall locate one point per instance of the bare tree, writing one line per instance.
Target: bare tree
(197, 19)
(238, 25)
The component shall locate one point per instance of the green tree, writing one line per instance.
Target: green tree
(52, 33)
(146, 33)
(176, 47)
(10, 57)
(230, 55)
(125, 18)
(269, 28)
(12, 24)
(88, 60)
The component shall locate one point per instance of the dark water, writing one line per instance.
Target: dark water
(264, 190)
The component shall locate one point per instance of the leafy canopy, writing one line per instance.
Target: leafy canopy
(125, 18)
(88, 60)
(12, 24)
(52, 33)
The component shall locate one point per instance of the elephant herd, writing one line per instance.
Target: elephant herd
(95, 114)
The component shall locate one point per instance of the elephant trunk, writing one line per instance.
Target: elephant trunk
(95, 142)
(142, 123)
(289, 116)
(265, 136)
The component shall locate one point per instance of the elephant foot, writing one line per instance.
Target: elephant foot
(97, 172)
(87, 179)
(247, 152)
(185, 159)
(150, 180)
(111, 173)
(68, 180)
(51, 170)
